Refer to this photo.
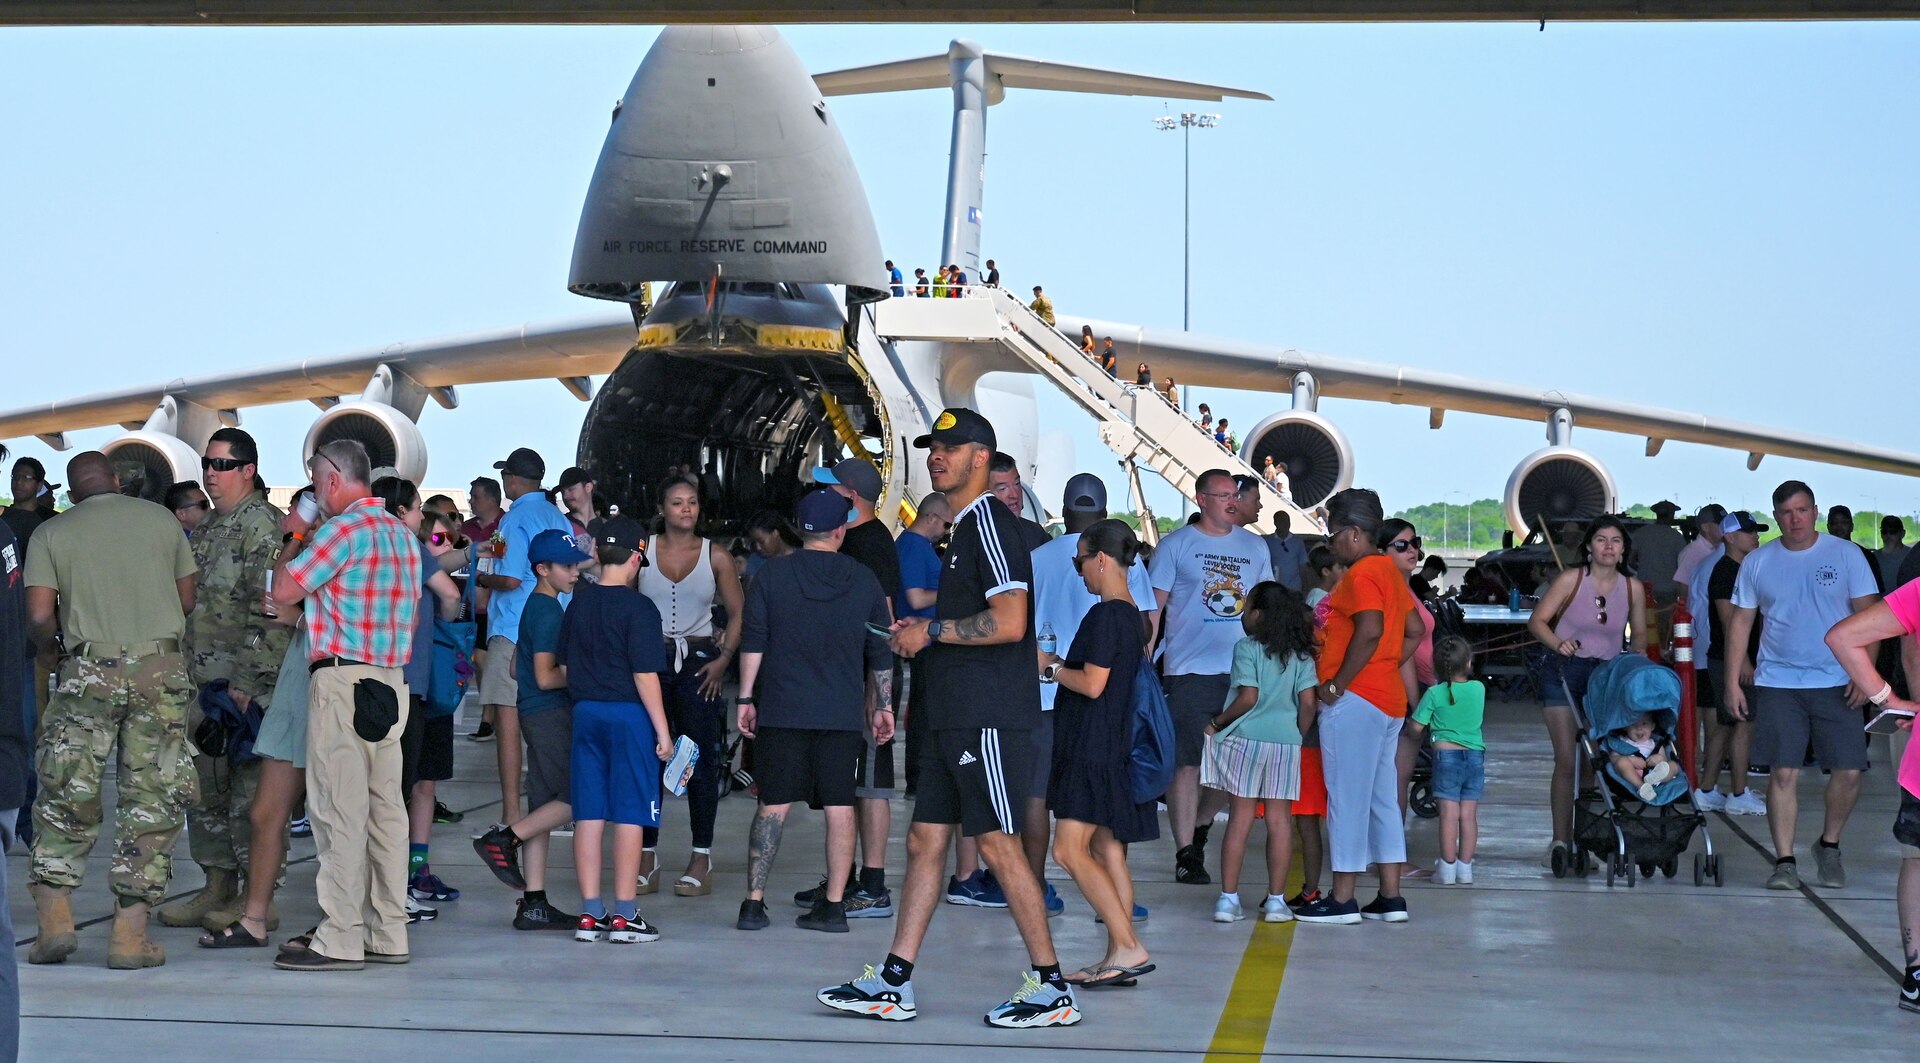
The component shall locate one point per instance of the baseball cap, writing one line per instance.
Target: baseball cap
(524, 463)
(555, 547)
(575, 475)
(1085, 493)
(957, 424)
(821, 510)
(622, 532)
(1741, 521)
(858, 474)
(1712, 511)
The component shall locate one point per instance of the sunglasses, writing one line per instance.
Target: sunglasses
(1403, 545)
(223, 464)
(1081, 559)
(1600, 605)
(439, 538)
(201, 504)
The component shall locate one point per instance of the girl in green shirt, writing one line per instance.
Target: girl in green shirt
(1454, 710)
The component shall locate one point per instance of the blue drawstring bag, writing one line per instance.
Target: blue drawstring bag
(452, 669)
(1150, 764)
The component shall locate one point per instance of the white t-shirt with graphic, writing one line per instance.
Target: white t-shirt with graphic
(1206, 578)
(1802, 593)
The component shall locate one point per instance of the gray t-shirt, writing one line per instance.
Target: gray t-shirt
(1802, 593)
(1206, 578)
(1289, 557)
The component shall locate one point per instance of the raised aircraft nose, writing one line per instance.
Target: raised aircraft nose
(723, 159)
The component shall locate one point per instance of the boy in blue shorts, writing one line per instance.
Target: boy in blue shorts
(546, 725)
(613, 648)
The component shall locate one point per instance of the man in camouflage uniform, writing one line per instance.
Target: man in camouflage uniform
(119, 577)
(228, 638)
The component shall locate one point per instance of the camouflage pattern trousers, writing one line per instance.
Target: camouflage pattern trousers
(139, 708)
(220, 823)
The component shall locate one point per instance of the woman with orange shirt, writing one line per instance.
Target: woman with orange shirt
(1371, 631)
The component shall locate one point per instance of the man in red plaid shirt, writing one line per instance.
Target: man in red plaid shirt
(359, 573)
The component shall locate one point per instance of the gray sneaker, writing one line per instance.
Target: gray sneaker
(1827, 864)
(1784, 877)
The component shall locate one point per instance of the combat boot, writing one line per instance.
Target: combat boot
(57, 938)
(221, 891)
(131, 948)
(226, 917)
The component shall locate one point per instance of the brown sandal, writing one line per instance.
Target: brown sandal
(300, 943)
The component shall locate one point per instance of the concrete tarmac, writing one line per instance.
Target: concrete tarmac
(1518, 966)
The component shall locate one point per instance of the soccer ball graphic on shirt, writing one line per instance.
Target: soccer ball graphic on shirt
(1223, 595)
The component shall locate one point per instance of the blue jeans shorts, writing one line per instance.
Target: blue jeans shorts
(1459, 774)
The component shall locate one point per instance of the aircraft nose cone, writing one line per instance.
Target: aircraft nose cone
(723, 158)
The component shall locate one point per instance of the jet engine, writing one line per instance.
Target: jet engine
(1318, 458)
(390, 436)
(149, 461)
(1558, 483)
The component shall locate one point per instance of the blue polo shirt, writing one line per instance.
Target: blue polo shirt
(531, 514)
(919, 570)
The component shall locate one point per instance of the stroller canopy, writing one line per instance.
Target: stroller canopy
(1627, 686)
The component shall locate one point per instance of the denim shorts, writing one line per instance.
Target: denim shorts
(1459, 774)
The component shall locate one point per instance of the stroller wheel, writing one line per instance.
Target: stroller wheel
(1420, 798)
(1718, 878)
(1562, 861)
(1699, 869)
(1646, 870)
(1671, 867)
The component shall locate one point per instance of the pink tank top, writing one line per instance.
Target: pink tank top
(1582, 620)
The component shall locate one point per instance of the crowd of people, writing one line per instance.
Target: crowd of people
(263, 658)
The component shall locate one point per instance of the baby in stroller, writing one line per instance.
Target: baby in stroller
(1641, 757)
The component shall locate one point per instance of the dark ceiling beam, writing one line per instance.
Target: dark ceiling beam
(659, 12)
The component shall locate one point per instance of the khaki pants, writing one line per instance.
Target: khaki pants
(359, 819)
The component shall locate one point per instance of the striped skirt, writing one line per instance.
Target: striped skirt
(1243, 767)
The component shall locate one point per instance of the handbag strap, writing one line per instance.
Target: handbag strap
(1579, 581)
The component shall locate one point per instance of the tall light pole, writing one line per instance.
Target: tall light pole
(1186, 122)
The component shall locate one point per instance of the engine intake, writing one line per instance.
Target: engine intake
(391, 437)
(149, 462)
(1318, 458)
(1556, 484)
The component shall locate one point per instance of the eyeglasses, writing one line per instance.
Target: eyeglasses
(223, 464)
(1403, 545)
(1218, 494)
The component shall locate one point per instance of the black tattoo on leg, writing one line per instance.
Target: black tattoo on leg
(763, 843)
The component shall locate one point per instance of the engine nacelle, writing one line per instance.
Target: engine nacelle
(149, 462)
(1318, 458)
(1556, 484)
(391, 437)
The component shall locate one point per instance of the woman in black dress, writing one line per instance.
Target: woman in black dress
(1090, 792)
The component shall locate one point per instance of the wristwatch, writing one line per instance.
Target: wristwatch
(1048, 673)
(934, 627)
(1332, 687)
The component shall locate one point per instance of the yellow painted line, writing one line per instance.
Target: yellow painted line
(1248, 1016)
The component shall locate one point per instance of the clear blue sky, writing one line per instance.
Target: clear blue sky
(1717, 218)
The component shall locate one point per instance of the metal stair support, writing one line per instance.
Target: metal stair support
(1136, 423)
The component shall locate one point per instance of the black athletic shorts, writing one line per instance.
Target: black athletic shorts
(977, 779)
(820, 768)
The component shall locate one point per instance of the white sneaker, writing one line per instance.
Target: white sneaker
(1659, 773)
(1227, 909)
(1274, 910)
(1709, 800)
(1746, 803)
(1443, 872)
(1463, 872)
(1648, 791)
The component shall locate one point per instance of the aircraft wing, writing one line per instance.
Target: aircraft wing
(1019, 72)
(568, 351)
(1212, 361)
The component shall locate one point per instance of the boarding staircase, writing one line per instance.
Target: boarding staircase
(1136, 423)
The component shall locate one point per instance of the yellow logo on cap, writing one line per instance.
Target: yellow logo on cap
(947, 420)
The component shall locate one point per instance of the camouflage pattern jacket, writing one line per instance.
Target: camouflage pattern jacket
(227, 638)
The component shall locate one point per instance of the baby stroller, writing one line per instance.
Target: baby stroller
(1610, 820)
(1420, 786)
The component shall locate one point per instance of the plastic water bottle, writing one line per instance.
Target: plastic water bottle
(1513, 599)
(1049, 642)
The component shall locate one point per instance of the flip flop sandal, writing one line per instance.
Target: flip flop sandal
(1121, 978)
(299, 943)
(234, 935)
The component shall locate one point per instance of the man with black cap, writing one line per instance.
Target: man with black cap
(577, 497)
(509, 584)
(982, 693)
(1705, 543)
(1060, 601)
(867, 541)
(32, 499)
(1656, 553)
(811, 656)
